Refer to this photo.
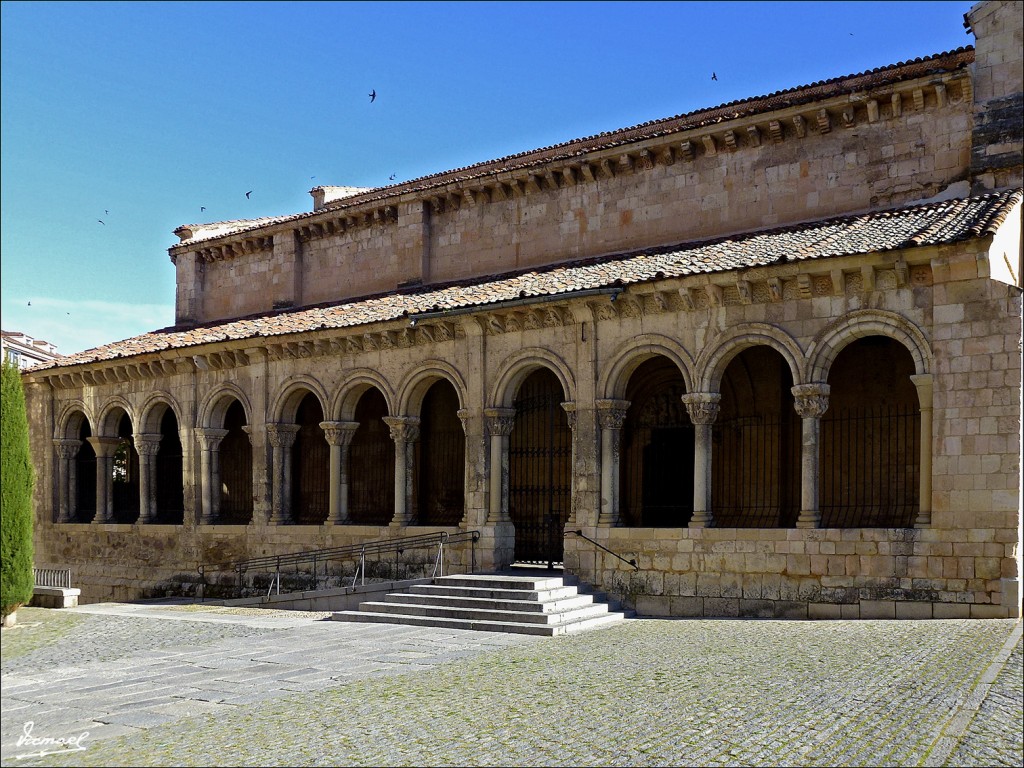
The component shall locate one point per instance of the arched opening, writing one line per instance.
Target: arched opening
(656, 469)
(755, 462)
(236, 496)
(170, 492)
(371, 463)
(125, 474)
(440, 459)
(540, 469)
(870, 438)
(310, 465)
(84, 491)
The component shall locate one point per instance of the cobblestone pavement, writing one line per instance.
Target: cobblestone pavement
(217, 686)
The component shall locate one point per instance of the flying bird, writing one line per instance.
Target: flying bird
(30, 303)
(391, 177)
(247, 194)
(373, 95)
(714, 76)
(202, 208)
(101, 221)
(106, 212)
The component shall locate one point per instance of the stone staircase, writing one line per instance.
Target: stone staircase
(531, 604)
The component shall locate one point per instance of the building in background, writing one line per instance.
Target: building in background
(769, 350)
(25, 351)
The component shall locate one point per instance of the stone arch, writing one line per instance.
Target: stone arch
(517, 367)
(414, 386)
(69, 422)
(858, 324)
(290, 395)
(106, 424)
(352, 388)
(216, 403)
(712, 365)
(634, 352)
(153, 409)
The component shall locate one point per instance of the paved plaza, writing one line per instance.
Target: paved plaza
(133, 684)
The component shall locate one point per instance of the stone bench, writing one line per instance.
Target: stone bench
(55, 597)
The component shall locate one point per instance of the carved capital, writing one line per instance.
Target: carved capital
(500, 421)
(104, 447)
(463, 414)
(570, 413)
(703, 407)
(404, 429)
(612, 413)
(209, 439)
(67, 448)
(282, 435)
(810, 400)
(339, 432)
(147, 445)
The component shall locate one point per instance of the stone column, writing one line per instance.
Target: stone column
(339, 436)
(405, 430)
(500, 422)
(703, 408)
(923, 382)
(209, 473)
(67, 450)
(147, 446)
(467, 481)
(811, 402)
(570, 416)
(104, 448)
(612, 415)
(282, 438)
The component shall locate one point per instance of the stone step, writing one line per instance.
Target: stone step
(490, 581)
(482, 591)
(548, 630)
(548, 606)
(485, 614)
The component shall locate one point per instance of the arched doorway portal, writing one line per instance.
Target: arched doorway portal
(371, 463)
(170, 491)
(540, 469)
(310, 465)
(236, 491)
(125, 475)
(870, 444)
(440, 459)
(657, 449)
(84, 483)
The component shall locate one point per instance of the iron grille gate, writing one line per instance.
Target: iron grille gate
(540, 479)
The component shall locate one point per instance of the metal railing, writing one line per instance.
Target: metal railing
(52, 577)
(602, 546)
(312, 562)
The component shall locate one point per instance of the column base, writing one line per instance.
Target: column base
(809, 520)
(700, 520)
(923, 520)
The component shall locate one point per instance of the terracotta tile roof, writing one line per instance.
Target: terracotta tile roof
(893, 73)
(927, 224)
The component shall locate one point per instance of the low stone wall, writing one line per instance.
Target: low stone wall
(134, 562)
(340, 599)
(805, 573)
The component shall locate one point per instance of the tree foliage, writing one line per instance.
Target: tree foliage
(16, 480)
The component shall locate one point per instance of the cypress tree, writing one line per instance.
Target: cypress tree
(16, 479)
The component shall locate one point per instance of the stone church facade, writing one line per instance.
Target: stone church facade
(769, 351)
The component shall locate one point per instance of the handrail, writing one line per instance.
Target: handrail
(358, 552)
(602, 546)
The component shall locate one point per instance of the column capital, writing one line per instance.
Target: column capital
(404, 429)
(464, 414)
(612, 413)
(500, 421)
(569, 406)
(104, 447)
(810, 400)
(67, 448)
(702, 407)
(209, 438)
(339, 432)
(282, 435)
(924, 385)
(147, 444)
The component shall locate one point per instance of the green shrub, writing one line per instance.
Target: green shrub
(16, 479)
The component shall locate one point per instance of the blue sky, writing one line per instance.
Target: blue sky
(139, 114)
